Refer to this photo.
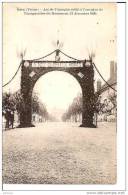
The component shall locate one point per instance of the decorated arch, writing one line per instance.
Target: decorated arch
(82, 70)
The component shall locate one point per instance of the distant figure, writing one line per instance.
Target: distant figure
(11, 119)
(6, 114)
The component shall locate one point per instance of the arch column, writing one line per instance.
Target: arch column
(26, 93)
(26, 114)
(87, 110)
(88, 99)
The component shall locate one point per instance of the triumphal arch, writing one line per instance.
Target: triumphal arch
(81, 70)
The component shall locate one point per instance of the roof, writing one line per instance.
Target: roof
(112, 82)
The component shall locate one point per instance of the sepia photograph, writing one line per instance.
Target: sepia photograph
(59, 100)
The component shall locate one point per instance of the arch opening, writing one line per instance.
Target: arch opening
(58, 91)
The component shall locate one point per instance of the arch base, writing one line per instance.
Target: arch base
(25, 125)
(88, 125)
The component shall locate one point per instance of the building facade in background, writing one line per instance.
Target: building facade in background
(108, 95)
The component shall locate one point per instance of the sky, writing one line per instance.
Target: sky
(80, 34)
(57, 97)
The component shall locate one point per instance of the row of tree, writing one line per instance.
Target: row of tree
(74, 110)
(14, 102)
(107, 106)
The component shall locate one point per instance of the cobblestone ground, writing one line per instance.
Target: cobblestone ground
(60, 153)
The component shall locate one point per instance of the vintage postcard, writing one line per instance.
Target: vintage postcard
(59, 105)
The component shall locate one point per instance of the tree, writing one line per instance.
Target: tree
(15, 102)
(106, 107)
(113, 98)
(74, 109)
(8, 102)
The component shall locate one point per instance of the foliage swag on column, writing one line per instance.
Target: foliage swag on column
(26, 92)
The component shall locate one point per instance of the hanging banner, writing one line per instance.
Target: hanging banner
(64, 64)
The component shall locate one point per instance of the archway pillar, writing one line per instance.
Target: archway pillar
(26, 95)
(87, 113)
(26, 114)
(88, 100)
